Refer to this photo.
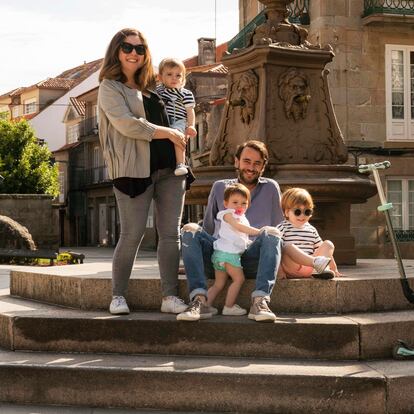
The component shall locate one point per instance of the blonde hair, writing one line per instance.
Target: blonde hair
(296, 197)
(111, 66)
(172, 63)
(236, 188)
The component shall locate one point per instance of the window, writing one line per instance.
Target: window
(29, 106)
(96, 163)
(72, 133)
(15, 111)
(400, 92)
(400, 192)
(61, 187)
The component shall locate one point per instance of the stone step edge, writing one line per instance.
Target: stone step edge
(27, 325)
(335, 296)
(188, 383)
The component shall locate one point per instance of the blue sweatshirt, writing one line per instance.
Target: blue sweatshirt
(264, 209)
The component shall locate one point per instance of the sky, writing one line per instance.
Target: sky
(40, 39)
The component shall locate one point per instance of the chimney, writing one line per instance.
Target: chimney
(206, 51)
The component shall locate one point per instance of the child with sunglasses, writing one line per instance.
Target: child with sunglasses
(179, 104)
(233, 239)
(297, 232)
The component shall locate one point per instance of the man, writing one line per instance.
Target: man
(260, 260)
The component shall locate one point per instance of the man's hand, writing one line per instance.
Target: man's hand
(271, 230)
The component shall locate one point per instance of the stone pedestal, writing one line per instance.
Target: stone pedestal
(280, 95)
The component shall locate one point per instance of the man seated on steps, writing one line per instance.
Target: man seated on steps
(261, 259)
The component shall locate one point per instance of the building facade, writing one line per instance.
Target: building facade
(372, 86)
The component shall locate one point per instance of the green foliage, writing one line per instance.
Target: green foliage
(24, 163)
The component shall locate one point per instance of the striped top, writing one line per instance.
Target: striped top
(176, 101)
(306, 237)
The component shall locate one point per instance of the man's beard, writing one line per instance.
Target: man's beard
(248, 180)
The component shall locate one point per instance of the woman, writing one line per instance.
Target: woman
(138, 148)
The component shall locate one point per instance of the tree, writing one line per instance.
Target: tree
(25, 164)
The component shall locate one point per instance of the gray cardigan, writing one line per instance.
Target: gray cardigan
(124, 132)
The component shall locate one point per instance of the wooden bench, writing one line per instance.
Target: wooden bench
(30, 254)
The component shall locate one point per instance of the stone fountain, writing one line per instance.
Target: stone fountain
(278, 93)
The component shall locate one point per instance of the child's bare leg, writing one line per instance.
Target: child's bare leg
(327, 249)
(237, 279)
(219, 283)
(179, 154)
(292, 253)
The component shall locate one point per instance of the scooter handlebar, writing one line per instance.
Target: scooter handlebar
(377, 166)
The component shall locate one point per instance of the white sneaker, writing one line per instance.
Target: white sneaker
(118, 306)
(235, 310)
(212, 310)
(180, 169)
(320, 263)
(172, 304)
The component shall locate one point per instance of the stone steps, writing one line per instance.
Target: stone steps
(29, 325)
(364, 289)
(328, 351)
(206, 384)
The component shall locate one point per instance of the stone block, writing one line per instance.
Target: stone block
(6, 338)
(380, 332)
(193, 384)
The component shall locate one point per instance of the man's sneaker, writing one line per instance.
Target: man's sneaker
(195, 311)
(260, 312)
(172, 304)
(181, 169)
(212, 310)
(320, 263)
(235, 310)
(118, 306)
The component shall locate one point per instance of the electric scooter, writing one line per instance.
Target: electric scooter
(401, 350)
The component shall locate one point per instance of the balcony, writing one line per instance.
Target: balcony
(88, 127)
(388, 11)
(299, 14)
(82, 178)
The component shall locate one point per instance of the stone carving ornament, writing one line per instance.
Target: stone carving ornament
(245, 90)
(295, 93)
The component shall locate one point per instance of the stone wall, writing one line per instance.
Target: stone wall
(36, 213)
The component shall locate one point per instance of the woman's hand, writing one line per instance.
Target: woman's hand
(174, 135)
(177, 138)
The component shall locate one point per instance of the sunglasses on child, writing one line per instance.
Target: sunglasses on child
(307, 212)
(128, 48)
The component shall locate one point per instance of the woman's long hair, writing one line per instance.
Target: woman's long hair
(111, 66)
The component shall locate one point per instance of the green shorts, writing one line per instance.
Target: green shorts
(219, 258)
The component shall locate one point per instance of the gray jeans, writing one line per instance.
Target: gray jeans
(167, 191)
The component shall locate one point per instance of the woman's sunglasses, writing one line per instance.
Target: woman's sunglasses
(307, 212)
(128, 48)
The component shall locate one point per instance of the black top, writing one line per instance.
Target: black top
(162, 154)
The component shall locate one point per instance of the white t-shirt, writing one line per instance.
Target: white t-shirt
(229, 239)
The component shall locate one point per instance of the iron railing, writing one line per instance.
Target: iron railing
(404, 7)
(89, 126)
(84, 177)
(96, 175)
(402, 235)
(299, 14)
